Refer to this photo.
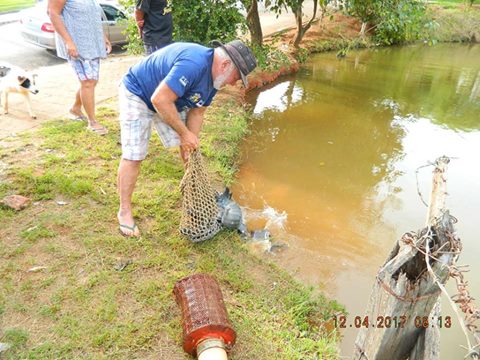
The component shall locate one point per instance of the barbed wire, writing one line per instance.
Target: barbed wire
(462, 300)
(418, 187)
(428, 164)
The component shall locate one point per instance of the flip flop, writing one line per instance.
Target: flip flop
(100, 131)
(75, 117)
(131, 228)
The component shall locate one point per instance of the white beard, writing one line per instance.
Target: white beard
(220, 80)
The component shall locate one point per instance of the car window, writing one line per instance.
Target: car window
(111, 13)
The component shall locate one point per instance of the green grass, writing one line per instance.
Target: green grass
(453, 3)
(16, 338)
(15, 5)
(450, 4)
(81, 307)
(455, 24)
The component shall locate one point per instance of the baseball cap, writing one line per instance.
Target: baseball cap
(241, 55)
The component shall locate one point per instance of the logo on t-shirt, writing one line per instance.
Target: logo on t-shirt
(168, 7)
(195, 98)
(183, 80)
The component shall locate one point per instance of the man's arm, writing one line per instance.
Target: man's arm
(54, 10)
(142, 8)
(140, 20)
(195, 119)
(194, 124)
(163, 100)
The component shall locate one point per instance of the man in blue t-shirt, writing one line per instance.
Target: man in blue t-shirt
(171, 89)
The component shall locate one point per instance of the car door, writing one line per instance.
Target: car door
(113, 24)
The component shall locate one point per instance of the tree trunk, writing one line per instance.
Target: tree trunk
(253, 22)
(363, 29)
(301, 30)
(298, 19)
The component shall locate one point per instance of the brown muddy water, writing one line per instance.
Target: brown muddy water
(329, 166)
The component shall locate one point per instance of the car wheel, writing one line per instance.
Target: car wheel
(52, 52)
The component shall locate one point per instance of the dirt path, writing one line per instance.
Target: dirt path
(57, 89)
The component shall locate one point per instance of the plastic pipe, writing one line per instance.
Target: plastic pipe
(212, 349)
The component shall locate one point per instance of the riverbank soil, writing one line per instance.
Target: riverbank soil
(333, 28)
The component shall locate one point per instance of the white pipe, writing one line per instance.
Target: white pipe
(213, 354)
(212, 349)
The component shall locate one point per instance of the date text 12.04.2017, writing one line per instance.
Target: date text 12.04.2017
(387, 322)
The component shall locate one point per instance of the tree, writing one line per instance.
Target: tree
(296, 6)
(393, 21)
(362, 9)
(206, 20)
(253, 22)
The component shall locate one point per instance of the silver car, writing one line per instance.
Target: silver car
(37, 28)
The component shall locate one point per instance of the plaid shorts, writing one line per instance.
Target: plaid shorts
(86, 69)
(136, 126)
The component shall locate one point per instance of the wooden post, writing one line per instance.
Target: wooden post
(439, 190)
(405, 290)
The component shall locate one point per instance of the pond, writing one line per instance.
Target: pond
(330, 166)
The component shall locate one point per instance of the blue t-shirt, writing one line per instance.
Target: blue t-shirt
(186, 68)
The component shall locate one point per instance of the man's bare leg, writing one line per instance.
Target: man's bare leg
(128, 171)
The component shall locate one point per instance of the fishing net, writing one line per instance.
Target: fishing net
(199, 220)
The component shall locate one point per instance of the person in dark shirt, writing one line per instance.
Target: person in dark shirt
(154, 22)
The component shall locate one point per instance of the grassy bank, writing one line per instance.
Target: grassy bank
(15, 5)
(448, 21)
(81, 306)
(452, 22)
(456, 24)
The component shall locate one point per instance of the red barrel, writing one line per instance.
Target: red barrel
(203, 312)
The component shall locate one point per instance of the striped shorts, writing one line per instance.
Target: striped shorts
(136, 126)
(86, 69)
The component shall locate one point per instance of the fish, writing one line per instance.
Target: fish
(230, 214)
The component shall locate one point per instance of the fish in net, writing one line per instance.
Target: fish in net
(199, 220)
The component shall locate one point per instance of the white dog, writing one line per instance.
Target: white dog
(16, 80)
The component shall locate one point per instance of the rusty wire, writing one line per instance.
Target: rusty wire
(418, 187)
(462, 299)
(428, 164)
(466, 303)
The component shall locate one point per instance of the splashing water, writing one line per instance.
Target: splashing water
(266, 218)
